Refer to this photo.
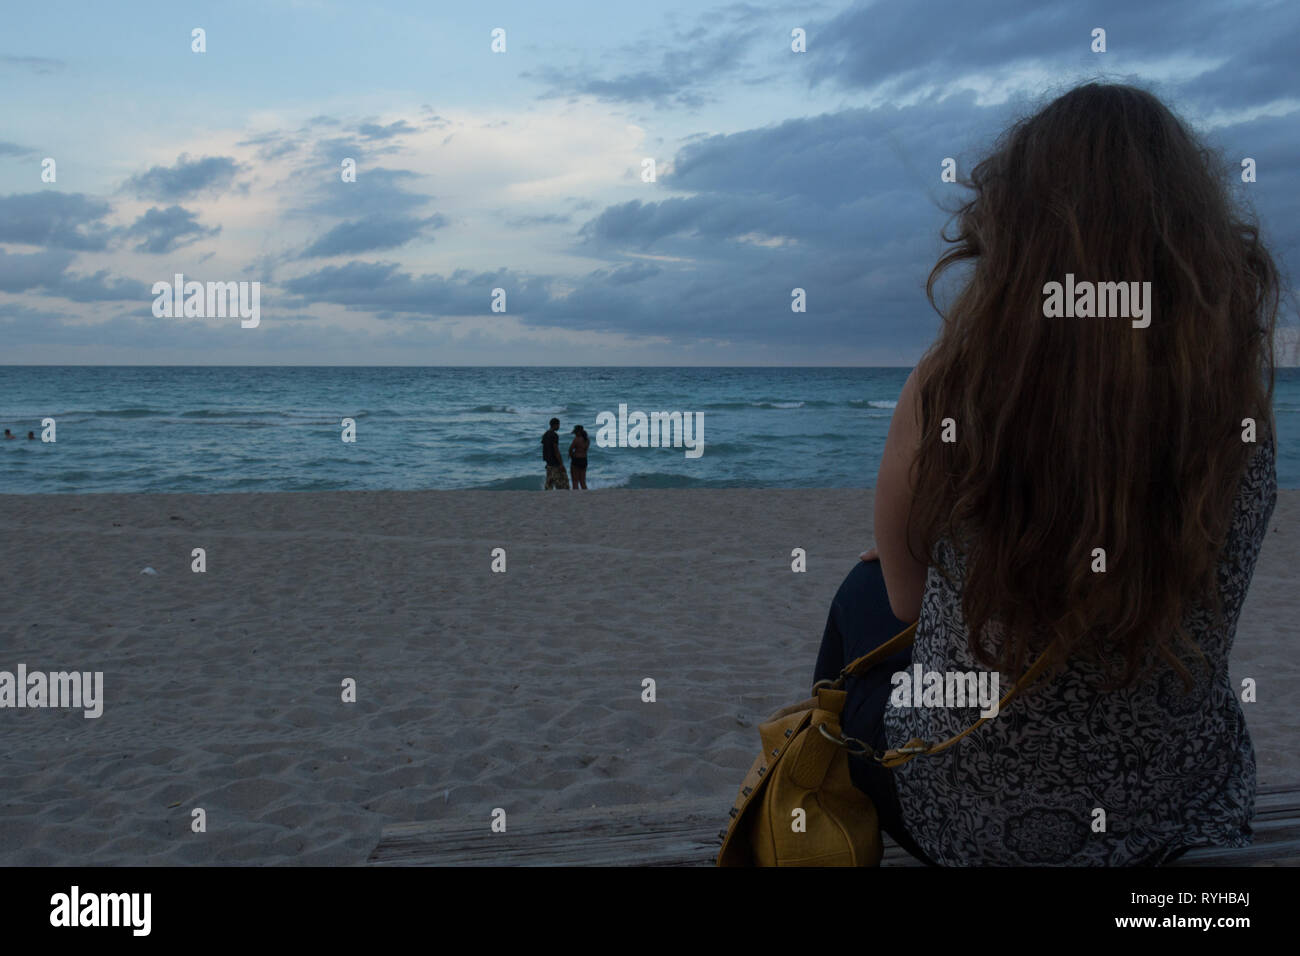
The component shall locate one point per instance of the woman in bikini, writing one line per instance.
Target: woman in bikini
(578, 457)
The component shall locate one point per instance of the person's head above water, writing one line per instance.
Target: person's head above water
(1067, 433)
(8, 434)
(579, 430)
(555, 423)
(31, 435)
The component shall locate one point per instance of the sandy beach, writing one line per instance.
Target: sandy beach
(474, 689)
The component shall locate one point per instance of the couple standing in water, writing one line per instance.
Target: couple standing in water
(555, 475)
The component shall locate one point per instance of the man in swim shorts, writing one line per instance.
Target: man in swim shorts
(556, 476)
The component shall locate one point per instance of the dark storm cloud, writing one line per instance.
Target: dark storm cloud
(381, 287)
(835, 158)
(211, 174)
(841, 184)
(679, 69)
(645, 86)
(933, 41)
(376, 192)
(100, 287)
(1274, 198)
(908, 47)
(22, 272)
(55, 220)
(374, 188)
(47, 272)
(377, 231)
(1258, 68)
(167, 229)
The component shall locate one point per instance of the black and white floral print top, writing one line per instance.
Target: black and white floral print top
(1167, 769)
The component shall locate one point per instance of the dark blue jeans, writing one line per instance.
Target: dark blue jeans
(860, 621)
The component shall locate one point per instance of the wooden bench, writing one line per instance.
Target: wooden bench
(687, 834)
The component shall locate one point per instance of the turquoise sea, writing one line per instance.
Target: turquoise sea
(217, 429)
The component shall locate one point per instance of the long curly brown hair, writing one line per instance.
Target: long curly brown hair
(1081, 433)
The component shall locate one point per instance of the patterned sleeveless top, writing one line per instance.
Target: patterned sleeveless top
(1169, 769)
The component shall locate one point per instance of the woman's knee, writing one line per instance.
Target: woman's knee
(865, 580)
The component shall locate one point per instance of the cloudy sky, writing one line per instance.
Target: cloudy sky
(522, 170)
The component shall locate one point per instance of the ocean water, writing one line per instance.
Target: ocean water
(204, 429)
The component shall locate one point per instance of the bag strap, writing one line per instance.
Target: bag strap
(902, 639)
(917, 747)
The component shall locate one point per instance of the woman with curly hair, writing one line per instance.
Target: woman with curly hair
(1078, 485)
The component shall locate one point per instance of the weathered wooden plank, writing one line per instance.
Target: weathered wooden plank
(687, 834)
(671, 834)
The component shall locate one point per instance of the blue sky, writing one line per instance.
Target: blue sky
(522, 170)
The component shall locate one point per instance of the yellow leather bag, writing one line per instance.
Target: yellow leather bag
(798, 805)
